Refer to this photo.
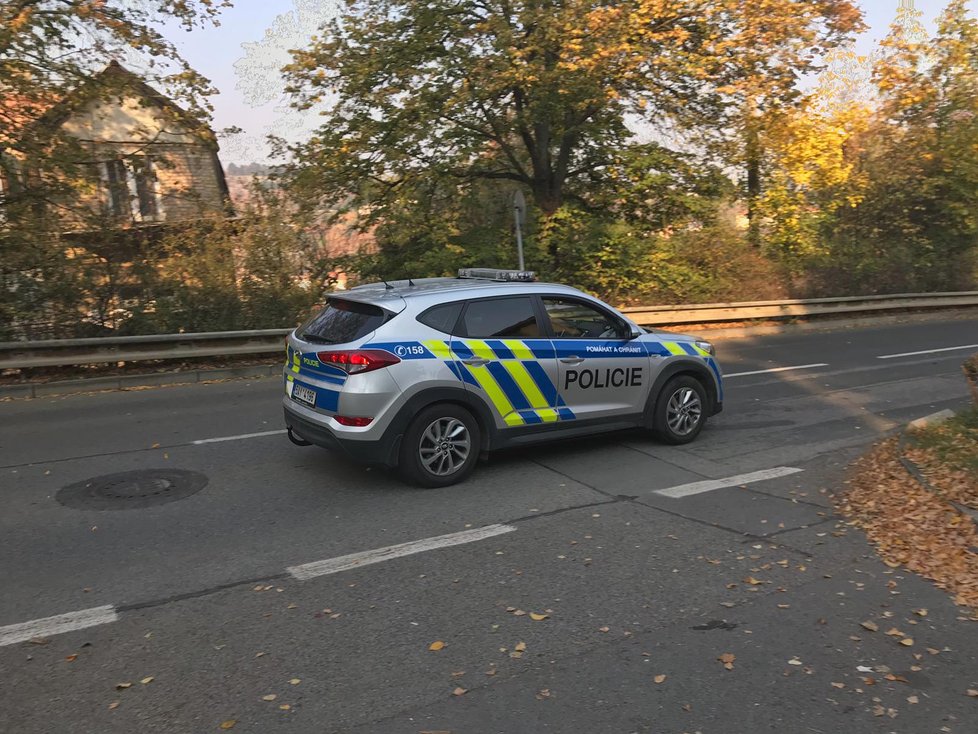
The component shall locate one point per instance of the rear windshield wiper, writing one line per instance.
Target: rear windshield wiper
(316, 338)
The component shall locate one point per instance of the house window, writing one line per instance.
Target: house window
(132, 189)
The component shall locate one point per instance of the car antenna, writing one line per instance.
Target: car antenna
(410, 282)
(387, 286)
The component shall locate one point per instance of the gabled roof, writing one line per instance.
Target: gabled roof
(115, 78)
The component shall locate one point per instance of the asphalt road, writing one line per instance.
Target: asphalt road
(634, 583)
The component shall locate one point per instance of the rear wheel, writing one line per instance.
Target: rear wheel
(440, 447)
(680, 410)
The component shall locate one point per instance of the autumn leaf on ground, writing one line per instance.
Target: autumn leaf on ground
(604, 629)
(114, 705)
(460, 691)
(436, 645)
(520, 647)
(229, 724)
(838, 685)
(269, 697)
(754, 582)
(728, 660)
(295, 681)
(907, 641)
(973, 692)
(894, 632)
(659, 679)
(71, 658)
(869, 625)
(122, 686)
(538, 617)
(285, 707)
(542, 694)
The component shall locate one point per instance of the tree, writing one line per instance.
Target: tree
(535, 93)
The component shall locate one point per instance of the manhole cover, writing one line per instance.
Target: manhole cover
(132, 490)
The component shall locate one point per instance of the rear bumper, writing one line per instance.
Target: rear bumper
(382, 451)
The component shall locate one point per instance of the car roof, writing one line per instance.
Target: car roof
(435, 287)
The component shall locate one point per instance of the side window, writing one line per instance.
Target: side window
(442, 318)
(572, 319)
(501, 317)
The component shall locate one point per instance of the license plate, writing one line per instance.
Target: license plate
(304, 395)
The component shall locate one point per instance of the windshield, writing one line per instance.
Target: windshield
(342, 321)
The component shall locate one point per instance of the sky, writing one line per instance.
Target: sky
(242, 57)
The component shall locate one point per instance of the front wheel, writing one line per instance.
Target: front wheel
(680, 410)
(440, 447)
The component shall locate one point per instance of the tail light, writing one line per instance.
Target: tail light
(345, 420)
(358, 361)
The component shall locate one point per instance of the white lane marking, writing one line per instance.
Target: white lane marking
(366, 558)
(685, 490)
(238, 438)
(928, 351)
(776, 369)
(24, 631)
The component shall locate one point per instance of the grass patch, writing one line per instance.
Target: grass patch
(947, 455)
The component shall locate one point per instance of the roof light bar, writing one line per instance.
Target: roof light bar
(522, 276)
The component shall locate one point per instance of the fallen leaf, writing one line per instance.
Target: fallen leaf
(727, 659)
(460, 691)
(753, 582)
(794, 661)
(39, 640)
(259, 654)
(920, 612)
(972, 692)
(604, 629)
(269, 697)
(436, 645)
(148, 679)
(542, 694)
(538, 617)
(906, 641)
(229, 724)
(896, 678)
(122, 686)
(894, 632)
(520, 647)
(871, 626)
(114, 705)
(519, 613)
(838, 685)
(913, 699)
(284, 707)
(659, 679)
(295, 681)
(71, 658)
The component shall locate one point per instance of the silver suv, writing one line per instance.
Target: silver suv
(426, 375)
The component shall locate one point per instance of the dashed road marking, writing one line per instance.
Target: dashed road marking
(221, 439)
(776, 369)
(366, 558)
(685, 490)
(47, 626)
(928, 351)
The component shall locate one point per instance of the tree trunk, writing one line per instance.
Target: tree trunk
(753, 156)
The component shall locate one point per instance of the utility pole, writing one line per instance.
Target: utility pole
(519, 213)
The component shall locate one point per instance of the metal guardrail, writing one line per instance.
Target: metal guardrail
(66, 352)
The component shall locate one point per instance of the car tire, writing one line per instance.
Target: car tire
(680, 410)
(440, 446)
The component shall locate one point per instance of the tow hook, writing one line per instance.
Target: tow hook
(296, 439)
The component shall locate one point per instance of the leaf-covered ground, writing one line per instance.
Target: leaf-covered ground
(913, 526)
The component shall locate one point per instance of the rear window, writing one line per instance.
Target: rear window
(341, 322)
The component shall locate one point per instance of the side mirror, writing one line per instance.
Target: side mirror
(634, 332)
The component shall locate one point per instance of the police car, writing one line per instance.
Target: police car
(426, 375)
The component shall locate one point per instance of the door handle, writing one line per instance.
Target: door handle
(475, 361)
(572, 360)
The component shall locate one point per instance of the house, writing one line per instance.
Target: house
(136, 159)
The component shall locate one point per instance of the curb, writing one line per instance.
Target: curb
(129, 382)
(918, 476)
